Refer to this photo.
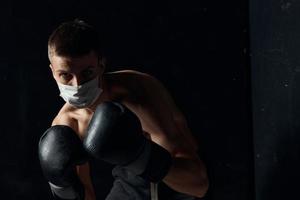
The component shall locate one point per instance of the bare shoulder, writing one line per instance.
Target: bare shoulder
(143, 89)
(64, 117)
(127, 72)
(127, 84)
(127, 76)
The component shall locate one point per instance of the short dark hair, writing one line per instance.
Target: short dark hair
(73, 39)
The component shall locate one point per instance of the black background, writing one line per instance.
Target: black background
(275, 60)
(198, 49)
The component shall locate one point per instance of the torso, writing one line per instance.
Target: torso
(127, 87)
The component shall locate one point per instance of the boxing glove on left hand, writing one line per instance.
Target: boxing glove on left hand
(115, 135)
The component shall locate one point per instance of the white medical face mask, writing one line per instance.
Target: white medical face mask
(83, 95)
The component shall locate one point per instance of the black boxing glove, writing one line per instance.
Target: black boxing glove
(60, 150)
(115, 135)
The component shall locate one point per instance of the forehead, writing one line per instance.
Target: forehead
(73, 63)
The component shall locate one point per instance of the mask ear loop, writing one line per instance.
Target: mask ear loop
(102, 63)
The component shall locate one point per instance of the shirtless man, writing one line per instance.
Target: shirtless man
(78, 67)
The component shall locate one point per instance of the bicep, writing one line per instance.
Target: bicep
(169, 126)
(66, 120)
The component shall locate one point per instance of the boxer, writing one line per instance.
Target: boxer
(126, 118)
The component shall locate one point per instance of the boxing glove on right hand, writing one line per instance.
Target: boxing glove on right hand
(60, 150)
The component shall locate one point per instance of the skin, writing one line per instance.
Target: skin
(144, 95)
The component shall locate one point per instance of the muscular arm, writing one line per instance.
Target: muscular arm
(167, 127)
(188, 172)
(83, 171)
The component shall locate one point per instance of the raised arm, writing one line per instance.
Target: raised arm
(168, 127)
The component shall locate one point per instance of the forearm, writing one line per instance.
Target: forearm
(83, 172)
(187, 176)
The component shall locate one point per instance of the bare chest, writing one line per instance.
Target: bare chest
(82, 120)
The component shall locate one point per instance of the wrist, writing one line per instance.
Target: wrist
(153, 163)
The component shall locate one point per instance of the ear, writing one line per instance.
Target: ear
(51, 67)
(102, 64)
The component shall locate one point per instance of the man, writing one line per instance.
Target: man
(91, 95)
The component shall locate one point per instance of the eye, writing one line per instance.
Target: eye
(88, 73)
(65, 76)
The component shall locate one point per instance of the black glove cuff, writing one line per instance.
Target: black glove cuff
(153, 164)
(73, 192)
(159, 164)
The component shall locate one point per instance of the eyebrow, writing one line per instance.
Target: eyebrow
(61, 70)
(88, 67)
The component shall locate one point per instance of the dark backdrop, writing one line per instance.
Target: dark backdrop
(275, 43)
(199, 50)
